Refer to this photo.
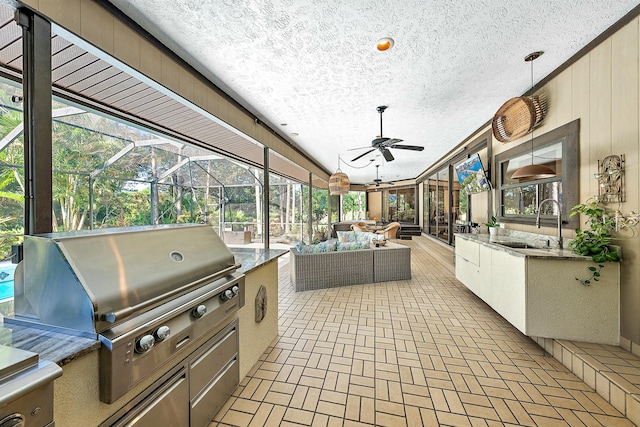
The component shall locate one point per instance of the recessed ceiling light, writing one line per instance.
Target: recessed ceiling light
(283, 124)
(294, 134)
(385, 43)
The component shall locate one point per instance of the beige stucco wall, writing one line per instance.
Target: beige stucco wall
(255, 337)
(602, 89)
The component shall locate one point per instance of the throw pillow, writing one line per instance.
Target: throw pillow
(346, 236)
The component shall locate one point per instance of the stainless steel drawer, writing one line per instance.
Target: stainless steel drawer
(164, 406)
(214, 355)
(207, 404)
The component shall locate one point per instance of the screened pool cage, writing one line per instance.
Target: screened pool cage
(110, 174)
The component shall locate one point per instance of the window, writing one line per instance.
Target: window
(518, 201)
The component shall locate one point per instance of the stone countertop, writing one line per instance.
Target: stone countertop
(62, 348)
(539, 249)
(252, 258)
(58, 347)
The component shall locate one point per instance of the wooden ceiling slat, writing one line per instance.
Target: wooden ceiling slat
(163, 110)
(116, 83)
(9, 33)
(156, 109)
(65, 55)
(6, 15)
(58, 44)
(132, 98)
(81, 74)
(99, 77)
(174, 118)
(83, 62)
(12, 54)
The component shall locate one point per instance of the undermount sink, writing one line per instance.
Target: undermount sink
(518, 245)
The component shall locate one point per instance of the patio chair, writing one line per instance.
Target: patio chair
(360, 226)
(390, 231)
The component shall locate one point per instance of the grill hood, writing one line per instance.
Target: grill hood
(92, 280)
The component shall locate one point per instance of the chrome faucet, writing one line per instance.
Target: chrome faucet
(559, 218)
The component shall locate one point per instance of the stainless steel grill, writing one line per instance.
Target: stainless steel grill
(148, 294)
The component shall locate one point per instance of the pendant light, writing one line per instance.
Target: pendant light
(339, 182)
(533, 171)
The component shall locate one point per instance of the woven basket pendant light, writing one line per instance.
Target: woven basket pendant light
(536, 114)
(339, 182)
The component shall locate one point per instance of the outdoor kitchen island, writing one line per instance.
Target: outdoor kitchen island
(77, 392)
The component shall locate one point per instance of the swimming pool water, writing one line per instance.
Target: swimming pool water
(6, 281)
(6, 290)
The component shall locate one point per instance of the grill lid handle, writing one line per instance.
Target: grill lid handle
(114, 316)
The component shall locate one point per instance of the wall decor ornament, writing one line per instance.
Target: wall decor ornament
(610, 179)
(261, 303)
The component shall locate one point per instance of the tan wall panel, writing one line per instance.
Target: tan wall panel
(625, 96)
(600, 103)
(580, 78)
(67, 11)
(550, 121)
(374, 204)
(564, 113)
(150, 61)
(126, 45)
(186, 85)
(170, 76)
(95, 27)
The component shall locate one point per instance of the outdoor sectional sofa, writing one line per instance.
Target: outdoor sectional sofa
(349, 267)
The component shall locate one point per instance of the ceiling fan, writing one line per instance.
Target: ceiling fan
(383, 144)
(378, 181)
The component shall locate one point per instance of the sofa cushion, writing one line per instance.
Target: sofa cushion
(319, 248)
(350, 246)
(355, 236)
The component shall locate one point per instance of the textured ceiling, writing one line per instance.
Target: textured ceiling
(313, 65)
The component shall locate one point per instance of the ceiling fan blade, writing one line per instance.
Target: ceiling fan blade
(387, 154)
(359, 148)
(363, 154)
(407, 147)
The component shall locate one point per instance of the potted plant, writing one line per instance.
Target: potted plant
(493, 226)
(594, 241)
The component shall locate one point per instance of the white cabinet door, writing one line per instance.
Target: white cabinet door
(468, 250)
(468, 264)
(507, 293)
(484, 278)
(468, 274)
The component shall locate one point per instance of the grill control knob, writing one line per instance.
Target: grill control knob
(13, 420)
(145, 343)
(199, 311)
(226, 295)
(162, 333)
(235, 290)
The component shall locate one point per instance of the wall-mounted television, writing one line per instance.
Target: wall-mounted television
(472, 176)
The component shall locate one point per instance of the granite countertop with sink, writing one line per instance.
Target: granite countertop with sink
(62, 348)
(525, 244)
